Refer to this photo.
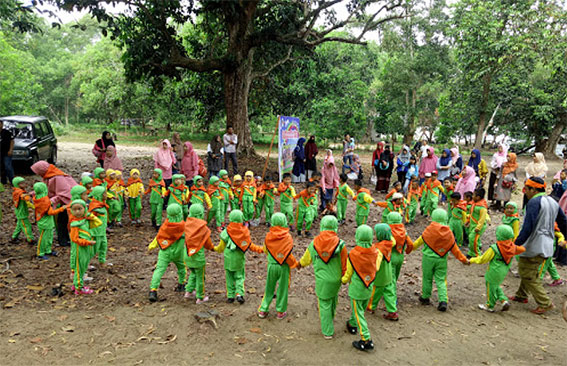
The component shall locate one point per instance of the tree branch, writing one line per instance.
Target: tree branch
(276, 64)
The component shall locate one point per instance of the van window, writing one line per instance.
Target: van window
(47, 127)
(39, 130)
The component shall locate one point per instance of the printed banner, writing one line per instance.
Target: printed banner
(287, 140)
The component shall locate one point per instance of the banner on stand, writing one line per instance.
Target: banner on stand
(288, 135)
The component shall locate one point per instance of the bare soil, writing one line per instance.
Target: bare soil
(118, 325)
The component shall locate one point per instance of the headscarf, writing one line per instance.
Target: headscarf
(508, 220)
(278, 219)
(97, 171)
(78, 202)
(467, 182)
(405, 157)
(40, 190)
(299, 150)
(474, 162)
(112, 162)
(428, 163)
(383, 232)
(444, 161)
(537, 168)
(163, 156)
(40, 168)
(104, 142)
(86, 180)
(394, 218)
(197, 211)
(439, 216)
(215, 145)
(311, 148)
(510, 165)
(328, 223)
(236, 216)
(499, 158)
(378, 152)
(190, 161)
(364, 236)
(17, 192)
(16, 182)
(174, 213)
(329, 174)
(176, 140)
(196, 231)
(77, 191)
(97, 193)
(506, 246)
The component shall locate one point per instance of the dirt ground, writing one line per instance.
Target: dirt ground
(118, 325)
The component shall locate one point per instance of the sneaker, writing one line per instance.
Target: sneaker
(391, 316)
(351, 329)
(298, 232)
(540, 310)
(202, 301)
(308, 234)
(84, 291)
(153, 296)
(32, 242)
(517, 299)
(180, 287)
(91, 267)
(262, 314)
(558, 282)
(424, 301)
(230, 300)
(53, 253)
(15, 240)
(219, 229)
(442, 306)
(485, 308)
(363, 345)
(328, 337)
(87, 278)
(43, 257)
(119, 224)
(189, 295)
(281, 316)
(505, 306)
(240, 299)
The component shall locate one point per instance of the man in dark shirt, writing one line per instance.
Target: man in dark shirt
(6, 148)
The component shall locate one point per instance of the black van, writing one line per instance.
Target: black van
(34, 139)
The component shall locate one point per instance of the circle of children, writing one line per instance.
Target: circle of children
(371, 268)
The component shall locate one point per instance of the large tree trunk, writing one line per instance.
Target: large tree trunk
(548, 145)
(486, 80)
(410, 126)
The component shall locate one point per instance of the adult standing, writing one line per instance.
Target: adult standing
(537, 168)
(537, 236)
(506, 180)
(164, 159)
(298, 172)
(479, 165)
(384, 169)
(215, 153)
(59, 187)
(376, 159)
(402, 162)
(230, 140)
(423, 148)
(311, 152)
(457, 160)
(428, 164)
(329, 179)
(112, 161)
(99, 149)
(189, 163)
(444, 165)
(7, 147)
(348, 151)
(177, 146)
(498, 158)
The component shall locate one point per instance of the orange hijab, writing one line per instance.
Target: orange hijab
(169, 233)
(439, 238)
(240, 235)
(363, 262)
(385, 246)
(325, 244)
(196, 235)
(279, 243)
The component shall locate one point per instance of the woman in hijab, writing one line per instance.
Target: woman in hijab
(403, 163)
(498, 158)
(479, 165)
(384, 170)
(112, 161)
(536, 168)
(467, 183)
(177, 145)
(99, 150)
(298, 171)
(457, 160)
(189, 163)
(215, 153)
(311, 152)
(329, 179)
(444, 165)
(164, 160)
(428, 164)
(506, 180)
(376, 159)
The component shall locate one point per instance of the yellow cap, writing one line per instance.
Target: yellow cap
(237, 177)
(134, 171)
(109, 172)
(249, 174)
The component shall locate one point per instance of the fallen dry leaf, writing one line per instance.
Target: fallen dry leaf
(36, 340)
(68, 328)
(240, 340)
(256, 330)
(170, 338)
(35, 288)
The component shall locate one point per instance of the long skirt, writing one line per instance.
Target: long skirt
(383, 179)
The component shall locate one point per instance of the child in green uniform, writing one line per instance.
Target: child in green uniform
(329, 256)
(78, 192)
(235, 241)
(113, 200)
(134, 191)
(226, 190)
(80, 223)
(248, 197)
(236, 190)
(549, 266)
(157, 192)
(434, 191)
(468, 198)
(363, 200)
(343, 193)
(304, 213)
(286, 193)
(424, 202)
(266, 199)
(439, 241)
(477, 222)
(171, 249)
(22, 201)
(199, 193)
(120, 189)
(87, 182)
(457, 216)
(394, 204)
(382, 283)
(216, 197)
(499, 256)
(512, 218)
(197, 239)
(414, 196)
(364, 262)
(99, 176)
(177, 193)
(99, 208)
(278, 246)
(448, 189)
(44, 219)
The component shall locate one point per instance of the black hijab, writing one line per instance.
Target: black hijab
(216, 146)
(103, 142)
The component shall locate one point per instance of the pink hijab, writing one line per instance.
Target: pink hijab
(329, 174)
(563, 202)
(112, 162)
(499, 158)
(59, 186)
(467, 183)
(428, 163)
(190, 162)
(164, 157)
(455, 155)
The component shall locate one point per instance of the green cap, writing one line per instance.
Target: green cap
(329, 223)
(504, 232)
(86, 180)
(439, 215)
(222, 173)
(279, 219)
(197, 211)
(213, 179)
(97, 193)
(97, 172)
(364, 236)
(394, 218)
(197, 178)
(174, 213)
(40, 190)
(16, 181)
(236, 216)
(77, 191)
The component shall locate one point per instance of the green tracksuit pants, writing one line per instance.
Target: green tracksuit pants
(456, 226)
(114, 208)
(475, 243)
(278, 275)
(82, 260)
(287, 210)
(361, 219)
(196, 282)
(357, 318)
(122, 207)
(157, 213)
(23, 225)
(135, 207)
(215, 213)
(173, 254)
(248, 208)
(434, 269)
(494, 293)
(101, 247)
(327, 311)
(387, 292)
(304, 217)
(45, 242)
(341, 209)
(549, 266)
(234, 282)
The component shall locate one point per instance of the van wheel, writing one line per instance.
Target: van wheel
(53, 157)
